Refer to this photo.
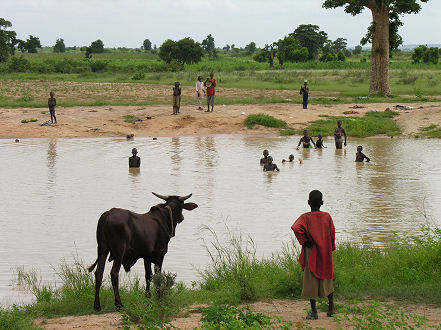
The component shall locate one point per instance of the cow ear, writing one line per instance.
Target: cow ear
(190, 206)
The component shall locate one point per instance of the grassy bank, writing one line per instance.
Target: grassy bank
(407, 269)
(371, 124)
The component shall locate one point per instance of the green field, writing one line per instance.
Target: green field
(330, 82)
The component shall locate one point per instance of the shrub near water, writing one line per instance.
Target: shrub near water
(264, 120)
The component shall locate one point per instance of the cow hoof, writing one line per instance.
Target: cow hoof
(97, 307)
(118, 307)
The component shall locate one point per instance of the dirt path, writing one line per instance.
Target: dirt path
(288, 310)
(109, 121)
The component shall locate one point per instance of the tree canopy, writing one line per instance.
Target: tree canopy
(59, 47)
(30, 45)
(311, 37)
(183, 51)
(147, 44)
(8, 40)
(97, 47)
(382, 33)
(209, 46)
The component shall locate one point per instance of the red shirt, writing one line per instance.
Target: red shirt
(316, 227)
(211, 89)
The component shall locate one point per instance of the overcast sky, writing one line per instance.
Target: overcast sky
(127, 23)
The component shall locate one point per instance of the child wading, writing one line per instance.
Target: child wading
(316, 233)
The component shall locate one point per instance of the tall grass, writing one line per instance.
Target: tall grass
(408, 268)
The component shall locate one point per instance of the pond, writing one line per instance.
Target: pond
(54, 190)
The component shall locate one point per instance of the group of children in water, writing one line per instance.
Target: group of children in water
(307, 142)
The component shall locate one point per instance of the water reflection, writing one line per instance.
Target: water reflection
(82, 178)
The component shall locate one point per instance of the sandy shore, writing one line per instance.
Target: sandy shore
(108, 121)
(288, 310)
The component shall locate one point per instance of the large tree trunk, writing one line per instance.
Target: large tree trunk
(380, 51)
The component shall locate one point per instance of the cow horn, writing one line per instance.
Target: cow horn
(160, 196)
(183, 198)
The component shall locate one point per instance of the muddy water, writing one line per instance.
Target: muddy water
(52, 193)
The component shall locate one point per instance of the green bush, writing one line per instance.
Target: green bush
(138, 76)
(264, 120)
(98, 66)
(18, 64)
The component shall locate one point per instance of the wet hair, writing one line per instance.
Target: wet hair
(51, 93)
(360, 148)
(265, 152)
(270, 159)
(177, 83)
(305, 131)
(134, 150)
(291, 156)
(315, 198)
(320, 136)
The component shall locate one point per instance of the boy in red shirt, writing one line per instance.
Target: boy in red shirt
(210, 83)
(316, 233)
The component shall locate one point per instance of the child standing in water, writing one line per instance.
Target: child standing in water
(176, 98)
(316, 233)
(319, 143)
(359, 156)
(270, 166)
(306, 140)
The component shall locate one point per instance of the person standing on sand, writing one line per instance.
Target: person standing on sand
(304, 90)
(176, 98)
(200, 89)
(337, 136)
(51, 103)
(316, 234)
(211, 84)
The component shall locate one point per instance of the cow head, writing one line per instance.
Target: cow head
(176, 205)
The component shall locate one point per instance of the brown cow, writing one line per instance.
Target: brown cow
(130, 236)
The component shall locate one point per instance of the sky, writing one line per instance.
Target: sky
(126, 23)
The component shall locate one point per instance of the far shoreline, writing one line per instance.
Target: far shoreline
(228, 120)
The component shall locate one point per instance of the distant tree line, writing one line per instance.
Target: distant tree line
(306, 43)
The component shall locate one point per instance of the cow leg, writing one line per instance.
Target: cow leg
(114, 275)
(148, 277)
(158, 264)
(98, 280)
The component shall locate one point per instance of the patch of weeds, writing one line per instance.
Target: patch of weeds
(32, 282)
(232, 317)
(372, 123)
(288, 132)
(43, 112)
(264, 120)
(15, 318)
(155, 312)
(431, 131)
(138, 76)
(24, 121)
(26, 98)
(375, 315)
(129, 119)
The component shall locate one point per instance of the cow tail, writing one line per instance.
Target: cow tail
(100, 240)
(92, 267)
